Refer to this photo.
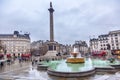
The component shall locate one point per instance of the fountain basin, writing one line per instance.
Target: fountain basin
(70, 74)
(117, 66)
(62, 69)
(75, 60)
(105, 69)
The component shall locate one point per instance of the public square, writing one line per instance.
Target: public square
(59, 40)
(27, 71)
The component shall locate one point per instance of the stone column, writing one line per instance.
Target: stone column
(51, 10)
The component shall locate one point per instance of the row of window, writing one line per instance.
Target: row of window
(114, 38)
(112, 45)
(103, 38)
(16, 42)
(113, 48)
(103, 41)
(112, 41)
(16, 47)
(114, 35)
(16, 50)
(103, 48)
(104, 45)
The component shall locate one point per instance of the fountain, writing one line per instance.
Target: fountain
(77, 66)
(75, 58)
(74, 66)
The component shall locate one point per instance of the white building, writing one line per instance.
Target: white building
(100, 43)
(114, 39)
(94, 44)
(15, 43)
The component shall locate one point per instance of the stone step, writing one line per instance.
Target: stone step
(51, 53)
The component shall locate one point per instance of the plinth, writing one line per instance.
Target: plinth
(52, 49)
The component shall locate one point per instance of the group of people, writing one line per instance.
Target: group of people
(20, 57)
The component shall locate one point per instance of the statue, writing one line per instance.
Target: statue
(51, 4)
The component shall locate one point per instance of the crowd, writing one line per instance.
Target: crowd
(11, 58)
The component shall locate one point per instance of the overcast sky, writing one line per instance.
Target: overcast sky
(73, 19)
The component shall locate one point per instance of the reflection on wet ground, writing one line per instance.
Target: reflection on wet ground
(31, 73)
(28, 72)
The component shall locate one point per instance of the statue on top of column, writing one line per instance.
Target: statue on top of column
(50, 4)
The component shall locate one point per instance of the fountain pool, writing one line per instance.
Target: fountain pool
(89, 67)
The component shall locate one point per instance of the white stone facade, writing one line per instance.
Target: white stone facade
(100, 43)
(16, 43)
(114, 39)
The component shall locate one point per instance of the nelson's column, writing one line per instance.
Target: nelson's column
(52, 45)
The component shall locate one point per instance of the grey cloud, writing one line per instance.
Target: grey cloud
(73, 19)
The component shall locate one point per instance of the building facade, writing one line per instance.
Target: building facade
(101, 43)
(94, 44)
(15, 43)
(38, 48)
(82, 46)
(114, 39)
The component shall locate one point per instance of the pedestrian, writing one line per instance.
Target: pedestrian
(33, 62)
(8, 61)
(20, 60)
(1, 64)
(36, 61)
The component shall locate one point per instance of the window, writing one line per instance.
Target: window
(54, 47)
(112, 44)
(116, 38)
(117, 47)
(113, 48)
(112, 41)
(50, 47)
(116, 41)
(115, 34)
(116, 44)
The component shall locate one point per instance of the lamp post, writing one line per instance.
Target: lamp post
(5, 51)
(109, 50)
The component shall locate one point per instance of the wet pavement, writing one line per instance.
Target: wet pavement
(25, 71)
(14, 66)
